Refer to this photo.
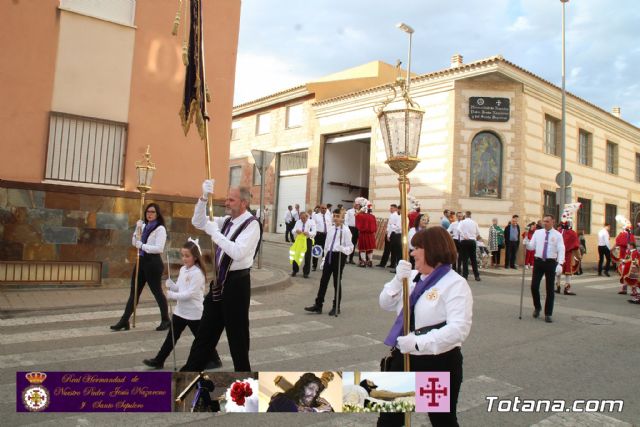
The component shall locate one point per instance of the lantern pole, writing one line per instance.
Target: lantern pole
(144, 185)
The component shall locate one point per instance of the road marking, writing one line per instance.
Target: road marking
(95, 331)
(581, 419)
(45, 358)
(575, 279)
(473, 392)
(74, 317)
(514, 300)
(607, 286)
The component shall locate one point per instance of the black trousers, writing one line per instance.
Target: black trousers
(338, 260)
(468, 249)
(458, 266)
(548, 270)
(232, 314)
(306, 269)
(451, 362)
(495, 256)
(385, 253)
(151, 268)
(178, 324)
(396, 248)
(354, 240)
(288, 234)
(510, 252)
(319, 240)
(603, 252)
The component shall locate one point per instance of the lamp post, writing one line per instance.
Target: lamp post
(400, 120)
(563, 147)
(144, 174)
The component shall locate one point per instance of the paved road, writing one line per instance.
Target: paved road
(589, 352)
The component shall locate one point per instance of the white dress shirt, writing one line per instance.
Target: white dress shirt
(307, 227)
(603, 238)
(189, 292)
(288, 216)
(453, 230)
(555, 244)
(394, 224)
(243, 249)
(350, 219)
(448, 300)
(468, 229)
(322, 222)
(155, 242)
(295, 214)
(342, 243)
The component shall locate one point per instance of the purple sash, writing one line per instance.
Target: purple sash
(148, 229)
(225, 262)
(421, 287)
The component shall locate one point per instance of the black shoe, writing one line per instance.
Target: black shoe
(122, 324)
(606, 273)
(314, 269)
(599, 273)
(333, 312)
(213, 364)
(153, 363)
(557, 289)
(536, 313)
(315, 308)
(392, 271)
(381, 266)
(566, 292)
(306, 276)
(548, 319)
(293, 274)
(164, 325)
(634, 301)
(477, 278)
(351, 261)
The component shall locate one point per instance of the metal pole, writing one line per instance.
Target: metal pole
(135, 286)
(563, 154)
(262, 215)
(173, 337)
(405, 256)
(409, 65)
(522, 286)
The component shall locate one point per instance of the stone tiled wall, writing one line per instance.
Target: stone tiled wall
(48, 225)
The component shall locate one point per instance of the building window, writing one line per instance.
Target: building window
(294, 116)
(635, 217)
(235, 130)
(486, 165)
(584, 216)
(85, 150)
(612, 157)
(637, 167)
(235, 176)
(610, 212)
(263, 123)
(585, 149)
(257, 179)
(551, 135)
(550, 205)
(293, 161)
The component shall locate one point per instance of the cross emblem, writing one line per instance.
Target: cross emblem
(433, 391)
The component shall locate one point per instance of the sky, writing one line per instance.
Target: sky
(285, 43)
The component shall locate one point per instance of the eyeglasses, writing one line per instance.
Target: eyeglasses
(151, 211)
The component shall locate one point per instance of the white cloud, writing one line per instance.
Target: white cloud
(521, 24)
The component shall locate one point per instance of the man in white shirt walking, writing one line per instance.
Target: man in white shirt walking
(289, 222)
(323, 221)
(549, 257)
(455, 235)
(604, 249)
(351, 223)
(468, 232)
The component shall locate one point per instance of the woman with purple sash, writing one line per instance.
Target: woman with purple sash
(440, 311)
(150, 247)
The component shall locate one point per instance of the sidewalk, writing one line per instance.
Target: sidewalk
(15, 301)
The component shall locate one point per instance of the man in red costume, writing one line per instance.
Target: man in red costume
(622, 241)
(571, 241)
(628, 269)
(367, 227)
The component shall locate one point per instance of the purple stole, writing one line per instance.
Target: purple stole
(217, 289)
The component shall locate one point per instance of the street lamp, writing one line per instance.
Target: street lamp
(144, 174)
(563, 146)
(400, 120)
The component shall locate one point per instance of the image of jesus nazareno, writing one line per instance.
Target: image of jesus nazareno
(302, 396)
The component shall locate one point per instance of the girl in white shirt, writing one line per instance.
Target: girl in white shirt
(189, 292)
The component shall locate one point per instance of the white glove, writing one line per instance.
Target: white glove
(207, 187)
(403, 270)
(559, 270)
(525, 242)
(407, 343)
(322, 264)
(171, 295)
(169, 283)
(139, 223)
(211, 228)
(139, 244)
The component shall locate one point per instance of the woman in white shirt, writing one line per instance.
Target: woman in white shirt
(150, 246)
(441, 304)
(189, 292)
(421, 222)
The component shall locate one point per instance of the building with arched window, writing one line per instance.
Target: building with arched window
(490, 144)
